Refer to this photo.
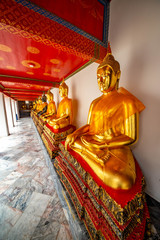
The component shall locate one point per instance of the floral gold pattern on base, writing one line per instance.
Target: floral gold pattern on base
(51, 140)
(104, 217)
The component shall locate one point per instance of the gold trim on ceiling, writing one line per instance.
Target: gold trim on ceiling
(30, 64)
(5, 48)
(33, 50)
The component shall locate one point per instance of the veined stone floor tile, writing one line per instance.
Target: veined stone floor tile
(9, 180)
(27, 223)
(64, 233)
(17, 198)
(8, 218)
(47, 231)
(24, 228)
(7, 166)
(38, 204)
(29, 205)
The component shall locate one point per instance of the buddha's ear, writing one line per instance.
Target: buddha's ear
(66, 92)
(118, 75)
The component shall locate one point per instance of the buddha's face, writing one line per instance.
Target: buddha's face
(106, 79)
(48, 98)
(62, 91)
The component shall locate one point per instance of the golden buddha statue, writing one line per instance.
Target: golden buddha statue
(112, 126)
(64, 115)
(51, 107)
(38, 104)
(34, 105)
(42, 105)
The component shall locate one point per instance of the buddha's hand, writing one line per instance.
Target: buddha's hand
(70, 140)
(103, 156)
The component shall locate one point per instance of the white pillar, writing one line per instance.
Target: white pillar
(4, 130)
(13, 111)
(17, 109)
(9, 112)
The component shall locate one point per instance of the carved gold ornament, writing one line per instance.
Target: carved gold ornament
(30, 64)
(11, 67)
(33, 50)
(56, 70)
(55, 61)
(46, 74)
(30, 73)
(5, 48)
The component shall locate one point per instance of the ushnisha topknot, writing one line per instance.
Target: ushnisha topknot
(111, 62)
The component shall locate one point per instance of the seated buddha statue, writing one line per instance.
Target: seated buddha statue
(42, 105)
(51, 107)
(34, 106)
(64, 115)
(24, 106)
(38, 103)
(111, 128)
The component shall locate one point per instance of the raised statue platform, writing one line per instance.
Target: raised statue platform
(40, 126)
(106, 212)
(52, 137)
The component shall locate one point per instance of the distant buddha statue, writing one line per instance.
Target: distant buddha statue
(30, 106)
(38, 104)
(64, 115)
(24, 106)
(34, 106)
(113, 123)
(42, 105)
(51, 107)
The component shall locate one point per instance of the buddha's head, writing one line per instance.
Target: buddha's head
(49, 96)
(44, 99)
(63, 90)
(40, 100)
(108, 74)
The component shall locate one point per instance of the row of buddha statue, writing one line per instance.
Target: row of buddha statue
(47, 112)
(112, 126)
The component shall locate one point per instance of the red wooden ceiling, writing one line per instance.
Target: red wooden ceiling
(85, 14)
(29, 66)
(27, 59)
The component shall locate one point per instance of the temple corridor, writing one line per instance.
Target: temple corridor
(29, 205)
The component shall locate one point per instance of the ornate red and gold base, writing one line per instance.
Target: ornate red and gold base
(52, 137)
(35, 118)
(106, 212)
(40, 125)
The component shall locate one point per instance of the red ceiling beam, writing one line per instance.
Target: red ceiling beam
(15, 79)
(22, 92)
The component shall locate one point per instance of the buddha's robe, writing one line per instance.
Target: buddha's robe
(109, 119)
(51, 109)
(42, 109)
(64, 113)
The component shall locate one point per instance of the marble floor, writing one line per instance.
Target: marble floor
(30, 206)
